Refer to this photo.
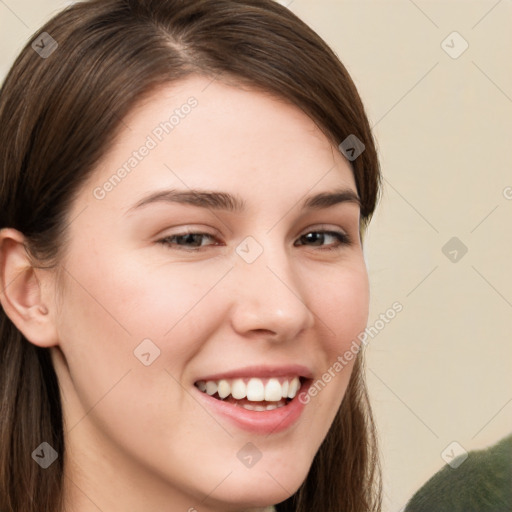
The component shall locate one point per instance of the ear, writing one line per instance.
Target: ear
(22, 288)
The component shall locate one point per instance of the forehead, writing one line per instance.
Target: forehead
(203, 133)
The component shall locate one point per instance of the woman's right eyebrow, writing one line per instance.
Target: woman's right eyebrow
(217, 200)
(203, 198)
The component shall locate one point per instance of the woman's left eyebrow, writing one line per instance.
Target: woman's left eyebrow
(226, 201)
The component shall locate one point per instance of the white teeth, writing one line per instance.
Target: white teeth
(224, 389)
(294, 387)
(211, 387)
(284, 386)
(238, 389)
(256, 390)
(268, 407)
(273, 391)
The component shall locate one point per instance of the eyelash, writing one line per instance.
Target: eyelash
(343, 240)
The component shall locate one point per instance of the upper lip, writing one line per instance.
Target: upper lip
(261, 371)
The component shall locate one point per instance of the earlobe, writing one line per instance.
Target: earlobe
(21, 291)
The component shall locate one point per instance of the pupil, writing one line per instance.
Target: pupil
(190, 239)
(314, 237)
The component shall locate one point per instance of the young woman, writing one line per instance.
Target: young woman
(184, 187)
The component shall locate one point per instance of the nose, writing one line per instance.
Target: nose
(270, 298)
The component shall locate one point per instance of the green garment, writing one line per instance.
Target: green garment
(482, 483)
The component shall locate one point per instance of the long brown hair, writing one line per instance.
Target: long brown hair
(58, 117)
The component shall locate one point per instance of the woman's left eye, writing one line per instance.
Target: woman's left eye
(313, 237)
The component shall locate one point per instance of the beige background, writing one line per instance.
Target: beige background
(441, 370)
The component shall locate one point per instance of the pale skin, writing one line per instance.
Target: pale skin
(136, 438)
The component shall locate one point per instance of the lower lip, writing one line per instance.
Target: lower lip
(260, 422)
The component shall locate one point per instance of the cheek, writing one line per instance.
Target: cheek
(176, 306)
(342, 308)
(113, 303)
(342, 305)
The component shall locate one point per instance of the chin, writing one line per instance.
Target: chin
(251, 488)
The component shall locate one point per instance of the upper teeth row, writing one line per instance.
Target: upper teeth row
(255, 390)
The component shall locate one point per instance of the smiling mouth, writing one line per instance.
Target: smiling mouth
(253, 394)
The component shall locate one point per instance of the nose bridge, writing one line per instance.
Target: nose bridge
(269, 295)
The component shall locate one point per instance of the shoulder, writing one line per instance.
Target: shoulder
(481, 483)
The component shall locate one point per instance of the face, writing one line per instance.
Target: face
(170, 301)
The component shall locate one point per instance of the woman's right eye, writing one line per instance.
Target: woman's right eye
(189, 241)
